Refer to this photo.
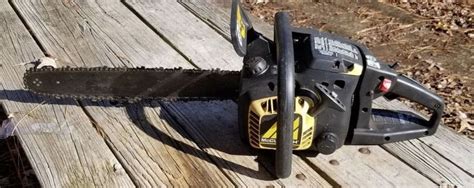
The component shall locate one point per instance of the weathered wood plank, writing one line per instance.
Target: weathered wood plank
(214, 126)
(95, 33)
(152, 141)
(217, 15)
(452, 146)
(106, 33)
(431, 163)
(59, 140)
(222, 55)
(444, 157)
(187, 33)
(203, 10)
(368, 166)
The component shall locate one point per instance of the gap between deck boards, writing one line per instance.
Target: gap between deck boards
(28, 27)
(162, 36)
(103, 135)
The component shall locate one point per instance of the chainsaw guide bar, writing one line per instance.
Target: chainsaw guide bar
(132, 84)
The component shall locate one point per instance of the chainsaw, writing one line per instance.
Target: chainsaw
(306, 90)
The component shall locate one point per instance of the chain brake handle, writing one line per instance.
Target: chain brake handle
(242, 34)
(286, 94)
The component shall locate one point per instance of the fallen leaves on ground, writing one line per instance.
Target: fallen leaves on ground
(446, 16)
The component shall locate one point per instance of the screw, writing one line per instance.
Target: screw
(334, 162)
(301, 102)
(117, 167)
(300, 176)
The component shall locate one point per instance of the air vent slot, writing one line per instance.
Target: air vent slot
(339, 84)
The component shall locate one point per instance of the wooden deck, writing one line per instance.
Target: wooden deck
(96, 144)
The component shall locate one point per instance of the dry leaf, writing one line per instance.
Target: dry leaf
(466, 124)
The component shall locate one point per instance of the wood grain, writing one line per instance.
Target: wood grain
(430, 163)
(96, 33)
(444, 157)
(217, 15)
(367, 166)
(201, 44)
(59, 140)
(106, 33)
(154, 148)
(452, 146)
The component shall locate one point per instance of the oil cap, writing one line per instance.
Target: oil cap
(255, 66)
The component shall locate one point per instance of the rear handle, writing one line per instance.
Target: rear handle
(414, 91)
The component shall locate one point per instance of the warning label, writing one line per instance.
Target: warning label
(332, 47)
(372, 61)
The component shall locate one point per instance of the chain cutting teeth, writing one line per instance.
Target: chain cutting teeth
(45, 70)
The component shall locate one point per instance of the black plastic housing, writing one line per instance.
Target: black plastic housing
(353, 121)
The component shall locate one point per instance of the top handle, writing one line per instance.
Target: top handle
(286, 94)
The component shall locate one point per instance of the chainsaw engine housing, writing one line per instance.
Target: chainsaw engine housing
(332, 82)
(319, 75)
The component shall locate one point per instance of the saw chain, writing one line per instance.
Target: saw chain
(133, 84)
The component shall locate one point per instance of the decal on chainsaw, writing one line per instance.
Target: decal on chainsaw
(241, 29)
(330, 47)
(268, 130)
(263, 123)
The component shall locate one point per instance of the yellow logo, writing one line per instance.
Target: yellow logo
(241, 25)
(271, 133)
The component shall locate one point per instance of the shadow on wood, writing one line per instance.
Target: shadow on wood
(136, 113)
